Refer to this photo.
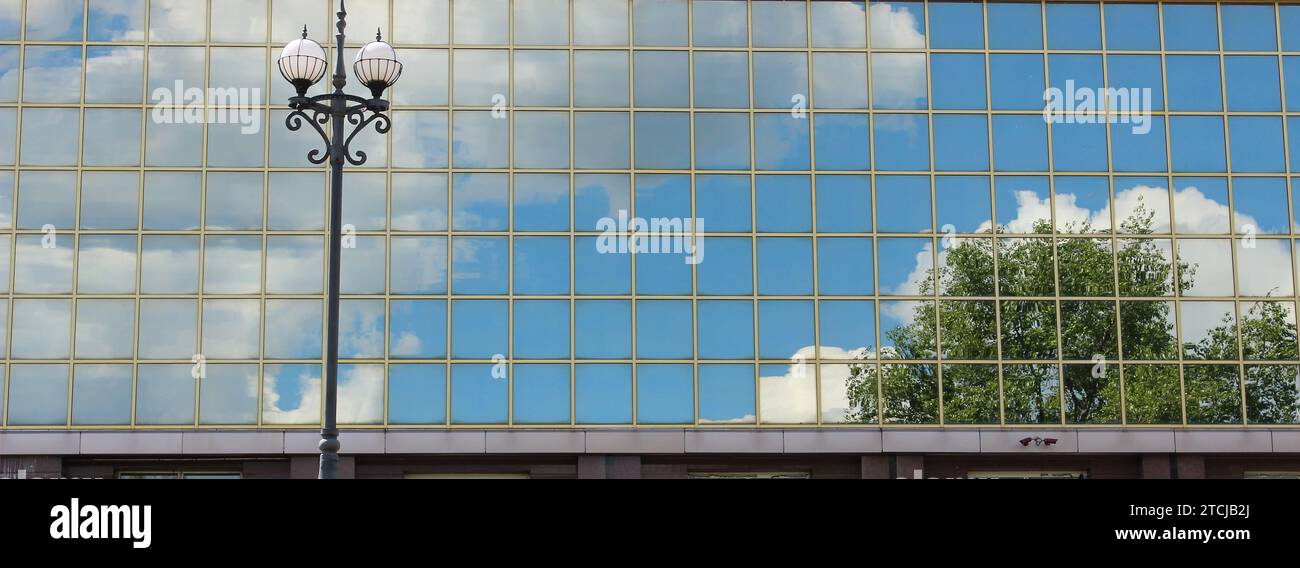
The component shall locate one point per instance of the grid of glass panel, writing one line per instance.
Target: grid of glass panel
(159, 271)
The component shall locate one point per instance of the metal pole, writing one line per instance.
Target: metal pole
(329, 444)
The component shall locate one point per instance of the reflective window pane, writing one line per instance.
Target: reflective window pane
(419, 202)
(726, 394)
(291, 394)
(294, 264)
(1272, 394)
(363, 266)
(240, 21)
(479, 140)
(361, 329)
(1190, 27)
(164, 395)
(602, 329)
(780, 79)
(541, 329)
(659, 22)
(541, 265)
(601, 140)
(778, 24)
(177, 20)
(541, 22)
(541, 78)
(293, 329)
(228, 395)
(104, 329)
(600, 78)
(843, 24)
(1091, 398)
(541, 394)
(970, 394)
(114, 74)
(788, 393)
(956, 25)
(101, 395)
(42, 264)
(417, 394)
(479, 329)
(664, 78)
(483, 22)
(361, 394)
(168, 329)
(111, 137)
(600, 22)
(231, 329)
(665, 394)
(898, 25)
(602, 394)
(38, 395)
(911, 394)
(49, 137)
(1073, 26)
(480, 394)
(421, 21)
(59, 20)
(727, 23)
(1031, 394)
(232, 264)
(11, 19)
(726, 329)
(419, 265)
(53, 317)
(1013, 25)
(1213, 393)
(781, 142)
(541, 140)
(1248, 28)
(106, 264)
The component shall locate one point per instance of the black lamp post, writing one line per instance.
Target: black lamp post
(303, 64)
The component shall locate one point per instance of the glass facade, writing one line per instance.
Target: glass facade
(657, 213)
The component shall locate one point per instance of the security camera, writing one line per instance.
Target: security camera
(1049, 441)
(1025, 441)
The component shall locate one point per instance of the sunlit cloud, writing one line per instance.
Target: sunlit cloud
(791, 398)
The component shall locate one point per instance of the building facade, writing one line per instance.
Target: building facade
(641, 238)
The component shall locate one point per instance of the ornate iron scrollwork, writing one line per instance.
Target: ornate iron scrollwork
(318, 119)
(318, 112)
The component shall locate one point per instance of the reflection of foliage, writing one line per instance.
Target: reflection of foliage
(1267, 333)
(1031, 394)
(1087, 268)
(1091, 399)
(1153, 394)
(1271, 394)
(1213, 394)
(861, 386)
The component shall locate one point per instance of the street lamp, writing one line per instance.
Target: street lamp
(303, 63)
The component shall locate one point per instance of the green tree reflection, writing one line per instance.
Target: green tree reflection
(1088, 332)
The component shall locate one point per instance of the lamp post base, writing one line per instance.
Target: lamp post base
(329, 456)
